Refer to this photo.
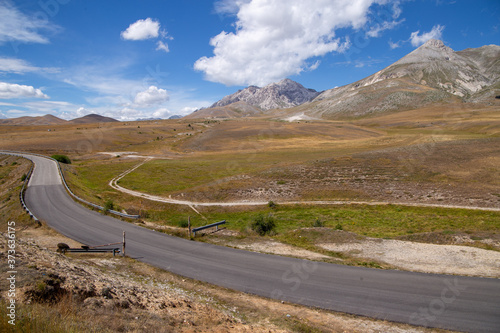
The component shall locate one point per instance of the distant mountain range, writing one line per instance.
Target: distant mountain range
(252, 101)
(53, 120)
(433, 73)
(284, 94)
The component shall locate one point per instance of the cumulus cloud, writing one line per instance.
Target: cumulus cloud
(147, 29)
(10, 90)
(18, 27)
(229, 6)
(141, 30)
(275, 39)
(418, 39)
(162, 113)
(151, 96)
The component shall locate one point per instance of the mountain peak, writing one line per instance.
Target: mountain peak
(283, 94)
(432, 50)
(436, 43)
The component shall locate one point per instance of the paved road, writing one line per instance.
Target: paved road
(441, 301)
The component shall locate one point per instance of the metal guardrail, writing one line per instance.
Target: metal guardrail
(87, 202)
(23, 189)
(26, 180)
(13, 153)
(89, 250)
(216, 225)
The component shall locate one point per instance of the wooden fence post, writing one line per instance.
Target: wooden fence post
(123, 245)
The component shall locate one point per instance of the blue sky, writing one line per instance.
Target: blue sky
(151, 58)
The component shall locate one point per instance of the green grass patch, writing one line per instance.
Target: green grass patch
(90, 180)
(384, 221)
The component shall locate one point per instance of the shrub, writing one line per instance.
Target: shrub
(339, 226)
(263, 225)
(109, 205)
(318, 223)
(62, 159)
(23, 178)
(271, 204)
(183, 223)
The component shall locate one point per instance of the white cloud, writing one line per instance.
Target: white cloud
(396, 9)
(83, 112)
(161, 113)
(151, 96)
(142, 29)
(418, 39)
(393, 45)
(19, 66)
(162, 46)
(376, 30)
(274, 39)
(11, 90)
(18, 27)
(229, 6)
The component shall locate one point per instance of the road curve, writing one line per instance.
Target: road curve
(450, 302)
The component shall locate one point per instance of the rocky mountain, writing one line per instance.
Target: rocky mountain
(283, 94)
(432, 73)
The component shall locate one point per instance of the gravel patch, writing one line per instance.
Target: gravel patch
(279, 249)
(427, 258)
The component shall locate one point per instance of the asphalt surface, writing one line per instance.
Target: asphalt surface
(441, 301)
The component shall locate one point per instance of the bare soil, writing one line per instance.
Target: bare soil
(115, 294)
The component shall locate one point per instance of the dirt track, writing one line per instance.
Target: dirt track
(114, 184)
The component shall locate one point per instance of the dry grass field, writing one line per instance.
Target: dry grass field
(101, 293)
(441, 155)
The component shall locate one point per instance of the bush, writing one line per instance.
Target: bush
(183, 223)
(318, 223)
(263, 225)
(23, 178)
(109, 205)
(339, 227)
(62, 158)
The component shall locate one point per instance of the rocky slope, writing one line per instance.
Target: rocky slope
(432, 73)
(234, 110)
(283, 94)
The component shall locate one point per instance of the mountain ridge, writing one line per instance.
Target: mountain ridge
(432, 73)
(283, 94)
(48, 120)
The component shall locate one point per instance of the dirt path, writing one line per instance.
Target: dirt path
(114, 184)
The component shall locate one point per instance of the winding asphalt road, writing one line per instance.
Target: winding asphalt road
(440, 301)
